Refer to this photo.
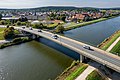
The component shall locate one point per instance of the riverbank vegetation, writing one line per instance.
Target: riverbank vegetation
(94, 76)
(107, 42)
(73, 71)
(15, 42)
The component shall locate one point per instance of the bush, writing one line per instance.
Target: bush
(9, 33)
(2, 22)
(60, 29)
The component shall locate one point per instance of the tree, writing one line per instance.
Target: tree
(60, 29)
(0, 16)
(23, 19)
(39, 26)
(9, 33)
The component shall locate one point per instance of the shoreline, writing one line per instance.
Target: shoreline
(88, 23)
(15, 41)
(73, 71)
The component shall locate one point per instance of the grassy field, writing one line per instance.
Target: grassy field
(116, 48)
(1, 33)
(50, 26)
(76, 73)
(94, 76)
(110, 40)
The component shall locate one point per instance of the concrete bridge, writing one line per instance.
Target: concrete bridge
(110, 60)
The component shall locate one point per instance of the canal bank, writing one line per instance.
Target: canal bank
(78, 25)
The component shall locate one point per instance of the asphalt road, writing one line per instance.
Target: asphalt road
(109, 60)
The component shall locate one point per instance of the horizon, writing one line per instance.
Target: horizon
(16, 4)
(61, 6)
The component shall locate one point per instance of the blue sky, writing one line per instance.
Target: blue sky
(41, 3)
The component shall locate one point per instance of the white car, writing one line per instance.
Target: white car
(55, 36)
(86, 47)
(30, 28)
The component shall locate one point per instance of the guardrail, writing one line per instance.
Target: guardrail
(106, 63)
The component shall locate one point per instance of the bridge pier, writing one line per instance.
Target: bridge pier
(82, 58)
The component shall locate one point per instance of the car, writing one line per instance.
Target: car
(86, 47)
(55, 36)
(23, 27)
(30, 28)
(39, 30)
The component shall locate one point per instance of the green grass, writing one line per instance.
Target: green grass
(16, 32)
(94, 76)
(1, 33)
(116, 48)
(52, 25)
(111, 41)
(76, 73)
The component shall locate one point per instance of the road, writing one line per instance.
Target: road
(110, 60)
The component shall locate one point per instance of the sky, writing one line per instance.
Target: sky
(41, 3)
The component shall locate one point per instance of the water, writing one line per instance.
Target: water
(94, 34)
(32, 61)
(46, 60)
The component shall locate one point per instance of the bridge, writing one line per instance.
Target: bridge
(108, 59)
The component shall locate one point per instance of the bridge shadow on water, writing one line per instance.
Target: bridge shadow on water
(60, 48)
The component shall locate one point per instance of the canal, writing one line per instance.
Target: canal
(45, 59)
(94, 34)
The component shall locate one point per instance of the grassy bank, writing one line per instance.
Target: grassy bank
(116, 49)
(73, 71)
(107, 42)
(76, 73)
(86, 23)
(15, 42)
(1, 33)
(94, 76)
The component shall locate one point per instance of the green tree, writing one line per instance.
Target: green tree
(60, 29)
(9, 33)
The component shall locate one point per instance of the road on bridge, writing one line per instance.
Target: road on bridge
(110, 60)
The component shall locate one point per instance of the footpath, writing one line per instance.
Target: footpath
(113, 44)
(85, 73)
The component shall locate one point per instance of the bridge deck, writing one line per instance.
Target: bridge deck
(110, 60)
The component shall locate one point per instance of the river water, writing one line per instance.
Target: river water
(45, 59)
(94, 34)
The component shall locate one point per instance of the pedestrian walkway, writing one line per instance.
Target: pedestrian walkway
(85, 73)
(110, 48)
